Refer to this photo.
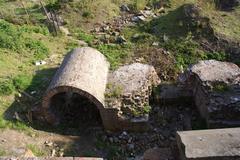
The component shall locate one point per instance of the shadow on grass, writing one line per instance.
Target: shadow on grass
(31, 96)
(75, 141)
(171, 24)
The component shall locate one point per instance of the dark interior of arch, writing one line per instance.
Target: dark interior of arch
(74, 111)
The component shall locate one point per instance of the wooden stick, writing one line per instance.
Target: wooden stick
(25, 11)
(54, 26)
(45, 11)
(55, 15)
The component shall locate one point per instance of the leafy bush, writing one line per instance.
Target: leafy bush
(39, 49)
(220, 56)
(187, 52)
(86, 14)
(185, 49)
(10, 37)
(34, 29)
(21, 82)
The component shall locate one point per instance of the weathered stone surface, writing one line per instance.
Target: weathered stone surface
(219, 144)
(84, 72)
(80, 69)
(128, 93)
(216, 90)
(173, 94)
(135, 83)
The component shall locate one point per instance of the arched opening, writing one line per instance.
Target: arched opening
(74, 110)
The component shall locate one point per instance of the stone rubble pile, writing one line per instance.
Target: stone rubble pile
(111, 32)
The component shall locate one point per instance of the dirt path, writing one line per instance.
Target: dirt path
(16, 143)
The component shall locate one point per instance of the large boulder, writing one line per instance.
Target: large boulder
(216, 90)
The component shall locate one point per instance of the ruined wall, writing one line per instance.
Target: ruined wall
(85, 72)
(216, 91)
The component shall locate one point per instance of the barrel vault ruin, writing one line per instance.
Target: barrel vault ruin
(76, 95)
(77, 88)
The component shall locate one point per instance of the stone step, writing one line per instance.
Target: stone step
(216, 144)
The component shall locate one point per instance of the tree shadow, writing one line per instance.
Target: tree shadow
(75, 141)
(171, 24)
(30, 97)
(21, 109)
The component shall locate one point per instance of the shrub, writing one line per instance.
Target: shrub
(79, 34)
(6, 87)
(36, 150)
(138, 5)
(115, 54)
(34, 29)
(40, 51)
(220, 56)
(86, 14)
(185, 49)
(221, 87)
(12, 37)
(21, 82)
(146, 109)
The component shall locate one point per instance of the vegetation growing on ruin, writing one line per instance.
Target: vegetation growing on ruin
(25, 39)
(113, 91)
(221, 87)
(36, 150)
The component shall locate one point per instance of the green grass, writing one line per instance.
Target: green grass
(224, 23)
(21, 46)
(13, 37)
(81, 35)
(141, 111)
(116, 54)
(36, 150)
(2, 153)
(6, 87)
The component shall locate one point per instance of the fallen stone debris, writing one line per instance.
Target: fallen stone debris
(111, 32)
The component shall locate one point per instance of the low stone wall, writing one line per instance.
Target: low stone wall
(216, 91)
(219, 144)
